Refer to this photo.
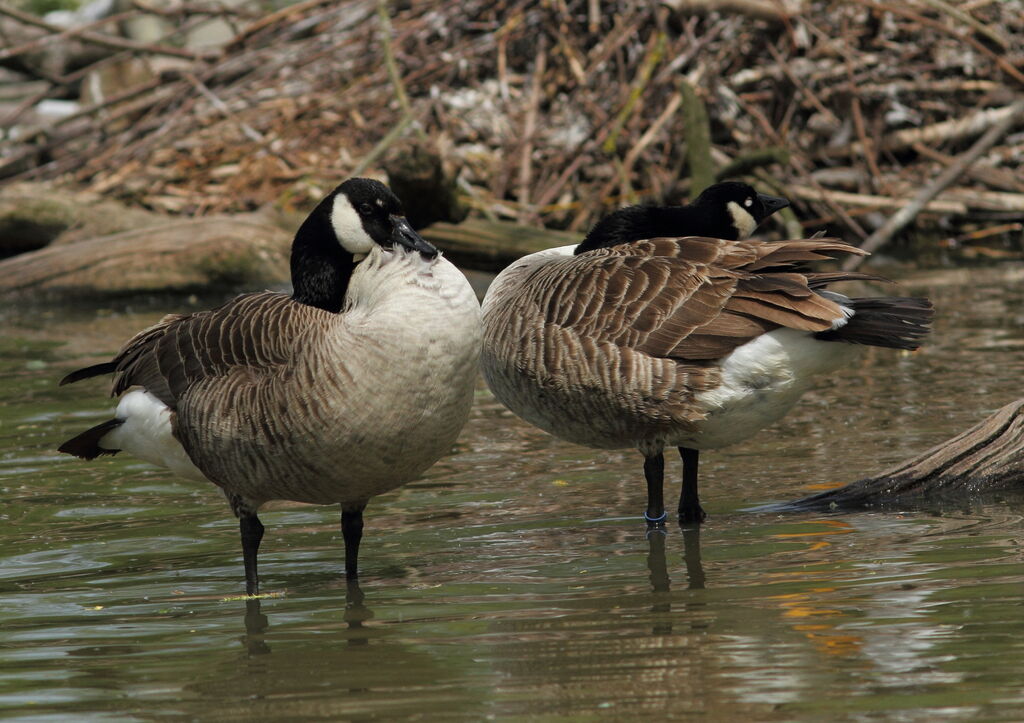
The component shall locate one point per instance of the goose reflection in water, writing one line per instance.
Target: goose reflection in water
(657, 564)
(257, 623)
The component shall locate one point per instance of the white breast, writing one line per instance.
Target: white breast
(371, 403)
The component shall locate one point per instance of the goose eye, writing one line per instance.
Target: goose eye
(748, 203)
(365, 209)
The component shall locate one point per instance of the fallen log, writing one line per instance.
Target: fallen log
(218, 253)
(987, 458)
(34, 215)
(96, 247)
(492, 245)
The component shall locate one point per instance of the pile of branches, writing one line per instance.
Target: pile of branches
(553, 113)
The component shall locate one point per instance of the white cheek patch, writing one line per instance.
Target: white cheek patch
(348, 227)
(741, 219)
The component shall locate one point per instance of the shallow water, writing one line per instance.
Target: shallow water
(515, 580)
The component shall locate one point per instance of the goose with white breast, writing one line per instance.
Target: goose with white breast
(667, 327)
(350, 386)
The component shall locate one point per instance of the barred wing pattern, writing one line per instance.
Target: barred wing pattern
(629, 335)
(249, 337)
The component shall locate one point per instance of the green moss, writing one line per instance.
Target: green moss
(41, 7)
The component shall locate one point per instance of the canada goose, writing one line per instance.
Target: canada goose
(638, 337)
(351, 386)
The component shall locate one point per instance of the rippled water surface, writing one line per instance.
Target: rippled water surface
(515, 580)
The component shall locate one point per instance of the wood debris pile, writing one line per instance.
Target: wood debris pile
(553, 113)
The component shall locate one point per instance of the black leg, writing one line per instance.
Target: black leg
(689, 503)
(352, 531)
(252, 532)
(654, 472)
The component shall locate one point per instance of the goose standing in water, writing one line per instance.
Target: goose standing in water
(665, 328)
(349, 387)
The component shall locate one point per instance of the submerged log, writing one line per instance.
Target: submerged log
(987, 458)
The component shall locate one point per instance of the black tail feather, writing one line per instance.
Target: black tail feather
(94, 371)
(895, 323)
(87, 444)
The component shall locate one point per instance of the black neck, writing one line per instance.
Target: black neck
(321, 268)
(636, 223)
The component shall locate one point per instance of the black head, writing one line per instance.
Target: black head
(340, 232)
(364, 212)
(738, 207)
(729, 210)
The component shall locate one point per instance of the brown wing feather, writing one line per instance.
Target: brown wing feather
(690, 298)
(251, 333)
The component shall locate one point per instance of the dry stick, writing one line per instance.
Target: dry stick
(136, 140)
(757, 9)
(60, 83)
(139, 137)
(571, 55)
(907, 214)
(950, 130)
(800, 85)
(866, 201)
(403, 99)
(744, 164)
(984, 233)
(64, 35)
(636, 91)
(990, 200)
(296, 9)
(54, 140)
(625, 28)
(530, 125)
(801, 169)
(922, 85)
(382, 145)
(593, 15)
(28, 102)
(652, 132)
(870, 154)
(968, 19)
(193, 9)
(250, 132)
(626, 167)
(392, 66)
(108, 41)
(995, 177)
(981, 47)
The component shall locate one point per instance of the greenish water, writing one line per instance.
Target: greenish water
(515, 581)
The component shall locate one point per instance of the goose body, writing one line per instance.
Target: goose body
(270, 397)
(686, 341)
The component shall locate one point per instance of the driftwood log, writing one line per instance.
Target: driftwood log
(61, 243)
(492, 245)
(987, 458)
(204, 254)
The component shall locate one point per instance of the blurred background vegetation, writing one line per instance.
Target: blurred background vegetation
(537, 115)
